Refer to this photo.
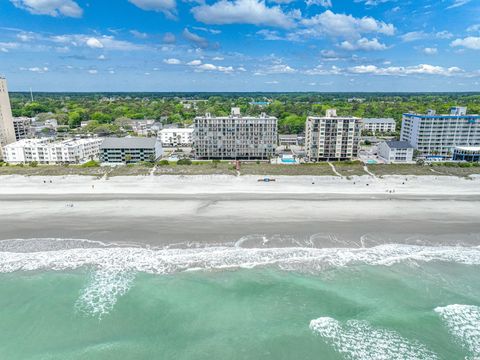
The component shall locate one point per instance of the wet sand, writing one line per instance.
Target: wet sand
(246, 219)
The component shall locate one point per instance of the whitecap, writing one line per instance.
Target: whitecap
(463, 322)
(358, 340)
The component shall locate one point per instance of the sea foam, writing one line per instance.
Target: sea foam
(358, 340)
(113, 266)
(463, 322)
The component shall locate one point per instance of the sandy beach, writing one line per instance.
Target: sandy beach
(199, 210)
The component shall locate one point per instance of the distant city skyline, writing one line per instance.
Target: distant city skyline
(240, 45)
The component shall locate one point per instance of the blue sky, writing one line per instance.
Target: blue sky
(240, 45)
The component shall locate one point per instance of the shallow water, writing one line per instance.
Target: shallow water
(84, 300)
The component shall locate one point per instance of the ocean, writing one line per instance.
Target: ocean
(80, 299)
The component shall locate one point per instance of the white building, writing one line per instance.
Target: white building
(235, 136)
(433, 134)
(7, 132)
(43, 151)
(379, 125)
(332, 137)
(176, 137)
(396, 151)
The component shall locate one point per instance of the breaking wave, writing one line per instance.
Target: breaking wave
(463, 322)
(114, 267)
(358, 340)
(166, 261)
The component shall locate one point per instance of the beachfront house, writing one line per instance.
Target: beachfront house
(395, 151)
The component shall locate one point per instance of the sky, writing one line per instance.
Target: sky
(240, 45)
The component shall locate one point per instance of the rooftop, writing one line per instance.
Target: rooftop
(378, 120)
(399, 145)
(468, 148)
(128, 143)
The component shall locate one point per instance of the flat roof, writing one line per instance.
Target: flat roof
(468, 148)
(378, 120)
(473, 116)
(399, 144)
(128, 143)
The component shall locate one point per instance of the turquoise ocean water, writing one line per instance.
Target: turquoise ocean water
(82, 300)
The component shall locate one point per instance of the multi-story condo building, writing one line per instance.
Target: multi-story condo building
(23, 127)
(130, 150)
(172, 137)
(235, 136)
(379, 125)
(44, 151)
(332, 137)
(7, 132)
(439, 134)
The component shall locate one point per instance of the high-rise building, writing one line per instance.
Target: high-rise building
(332, 137)
(235, 136)
(439, 134)
(7, 132)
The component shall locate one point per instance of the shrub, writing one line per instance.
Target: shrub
(184, 162)
(33, 164)
(163, 163)
(90, 164)
(147, 164)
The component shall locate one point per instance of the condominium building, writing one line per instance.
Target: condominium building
(467, 153)
(332, 137)
(434, 134)
(44, 151)
(22, 127)
(173, 137)
(379, 125)
(235, 136)
(130, 150)
(396, 151)
(7, 132)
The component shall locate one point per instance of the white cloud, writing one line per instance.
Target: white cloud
(430, 51)
(139, 34)
(321, 70)
(36, 69)
(217, 58)
(194, 38)
(329, 23)
(94, 43)
(195, 62)
(414, 36)
(99, 42)
(242, 12)
(172, 61)
(50, 7)
(169, 38)
(102, 57)
(276, 69)
(474, 28)
(324, 3)
(422, 69)
(167, 7)
(7, 46)
(458, 3)
(363, 44)
(93, 71)
(470, 42)
(271, 35)
(444, 35)
(273, 82)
